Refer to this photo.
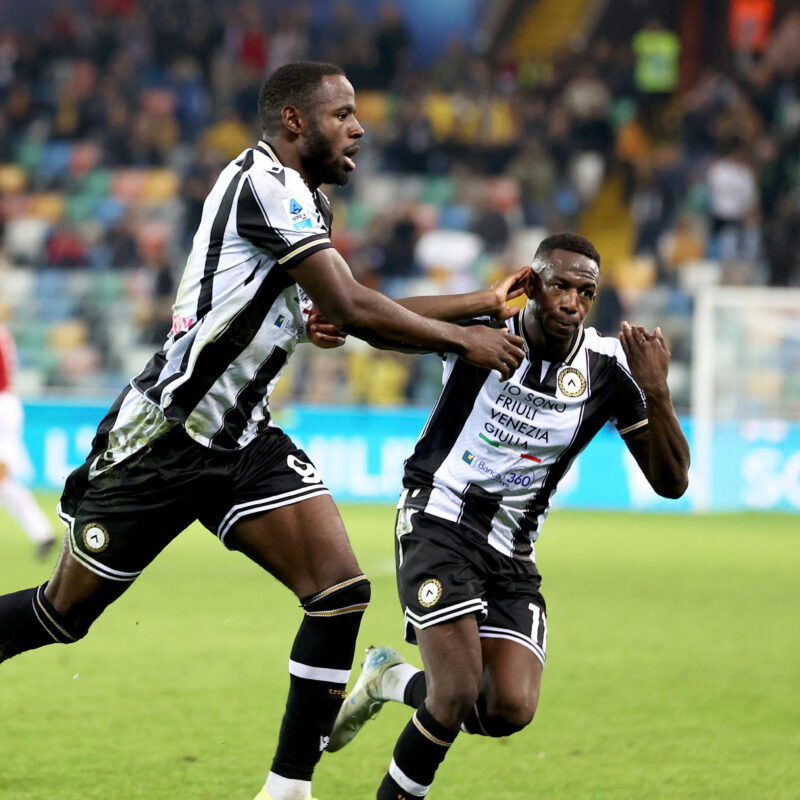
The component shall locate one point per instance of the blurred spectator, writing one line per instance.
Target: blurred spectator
(393, 45)
(64, 248)
(535, 174)
(395, 261)
(657, 52)
(732, 194)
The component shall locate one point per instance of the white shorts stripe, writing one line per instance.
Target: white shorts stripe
(405, 783)
(513, 636)
(318, 673)
(93, 566)
(475, 604)
(453, 612)
(266, 504)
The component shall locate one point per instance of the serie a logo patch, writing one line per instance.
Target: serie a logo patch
(571, 382)
(95, 537)
(429, 592)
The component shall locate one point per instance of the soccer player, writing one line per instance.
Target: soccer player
(15, 496)
(191, 436)
(476, 492)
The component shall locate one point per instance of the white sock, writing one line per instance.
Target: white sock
(20, 503)
(395, 680)
(280, 788)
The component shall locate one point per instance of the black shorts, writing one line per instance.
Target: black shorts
(120, 520)
(444, 573)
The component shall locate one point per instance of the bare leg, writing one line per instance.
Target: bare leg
(305, 546)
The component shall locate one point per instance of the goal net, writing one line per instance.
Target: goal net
(746, 398)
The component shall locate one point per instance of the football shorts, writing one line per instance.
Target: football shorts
(445, 572)
(120, 519)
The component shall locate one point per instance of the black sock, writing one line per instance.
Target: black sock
(422, 746)
(322, 656)
(416, 691)
(28, 621)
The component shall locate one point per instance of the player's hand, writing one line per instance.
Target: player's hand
(508, 288)
(648, 356)
(495, 348)
(322, 333)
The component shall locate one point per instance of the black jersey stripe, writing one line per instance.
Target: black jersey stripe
(237, 416)
(216, 239)
(445, 424)
(252, 222)
(325, 210)
(216, 356)
(479, 507)
(591, 421)
(148, 377)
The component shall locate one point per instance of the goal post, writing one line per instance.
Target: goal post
(745, 388)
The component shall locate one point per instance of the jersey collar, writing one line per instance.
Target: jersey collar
(266, 149)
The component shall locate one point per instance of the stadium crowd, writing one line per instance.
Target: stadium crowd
(115, 120)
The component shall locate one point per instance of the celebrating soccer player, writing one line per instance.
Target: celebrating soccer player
(476, 492)
(191, 437)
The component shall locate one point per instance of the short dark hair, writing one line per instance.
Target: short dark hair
(292, 84)
(571, 242)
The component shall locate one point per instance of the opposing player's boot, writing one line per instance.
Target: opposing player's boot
(365, 700)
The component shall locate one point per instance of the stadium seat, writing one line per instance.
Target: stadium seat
(25, 238)
(48, 206)
(12, 179)
(55, 159)
(160, 185)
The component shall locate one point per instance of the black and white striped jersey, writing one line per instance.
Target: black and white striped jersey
(492, 453)
(238, 314)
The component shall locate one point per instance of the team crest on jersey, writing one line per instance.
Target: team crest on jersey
(95, 537)
(429, 592)
(298, 216)
(571, 382)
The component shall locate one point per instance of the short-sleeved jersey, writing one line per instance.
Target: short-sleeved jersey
(238, 314)
(492, 452)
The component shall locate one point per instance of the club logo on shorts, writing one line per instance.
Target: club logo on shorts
(95, 537)
(571, 382)
(429, 592)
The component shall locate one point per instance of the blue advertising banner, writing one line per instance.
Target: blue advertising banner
(360, 452)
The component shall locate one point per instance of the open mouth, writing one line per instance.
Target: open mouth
(348, 157)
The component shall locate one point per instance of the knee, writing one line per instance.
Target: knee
(351, 595)
(507, 715)
(451, 701)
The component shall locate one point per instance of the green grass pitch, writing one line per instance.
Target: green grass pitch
(673, 672)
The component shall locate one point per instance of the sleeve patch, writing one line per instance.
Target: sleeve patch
(299, 218)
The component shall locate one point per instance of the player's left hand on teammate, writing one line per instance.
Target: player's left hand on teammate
(509, 288)
(322, 333)
(648, 355)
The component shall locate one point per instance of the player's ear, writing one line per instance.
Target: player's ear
(533, 282)
(292, 119)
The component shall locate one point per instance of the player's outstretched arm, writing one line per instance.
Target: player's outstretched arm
(491, 302)
(661, 450)
(353, 308)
